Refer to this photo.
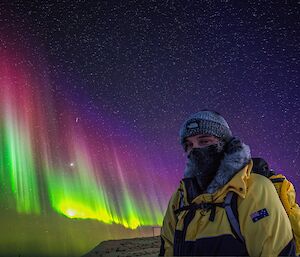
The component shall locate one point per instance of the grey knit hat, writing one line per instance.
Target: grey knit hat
(205, 122)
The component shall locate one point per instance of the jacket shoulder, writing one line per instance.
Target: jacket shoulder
(261, 194)
(263, 218)
(175, 199)
(260, 184)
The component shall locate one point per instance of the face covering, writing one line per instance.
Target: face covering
(203, 163)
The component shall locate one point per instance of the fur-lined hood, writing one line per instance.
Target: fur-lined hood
(236, 156)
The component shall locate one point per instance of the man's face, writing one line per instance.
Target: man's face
(199, 141)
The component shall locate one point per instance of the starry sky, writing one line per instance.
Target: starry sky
(93, 94)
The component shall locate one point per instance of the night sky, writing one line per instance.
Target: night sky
(92, 95)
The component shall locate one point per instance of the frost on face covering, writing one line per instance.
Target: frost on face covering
(203, 163)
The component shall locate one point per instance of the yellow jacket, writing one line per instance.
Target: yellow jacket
(186, 234)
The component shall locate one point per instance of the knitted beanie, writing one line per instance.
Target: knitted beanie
(205, 122)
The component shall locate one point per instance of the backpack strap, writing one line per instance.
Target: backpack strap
(230, 206)
(203, 206)
(277, 180)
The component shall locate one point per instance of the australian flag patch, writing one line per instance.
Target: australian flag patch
(256, 216)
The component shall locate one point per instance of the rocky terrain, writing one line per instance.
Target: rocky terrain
(145, 246)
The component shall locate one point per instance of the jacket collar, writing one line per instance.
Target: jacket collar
(232, 163)
(232, 175)
(237, 184)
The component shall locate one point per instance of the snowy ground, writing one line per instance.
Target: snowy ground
(145, 246)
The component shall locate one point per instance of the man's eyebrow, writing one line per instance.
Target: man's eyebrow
(201, 136)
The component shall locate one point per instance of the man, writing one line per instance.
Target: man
(196, 221)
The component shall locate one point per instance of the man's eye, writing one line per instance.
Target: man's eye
(203, 141)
